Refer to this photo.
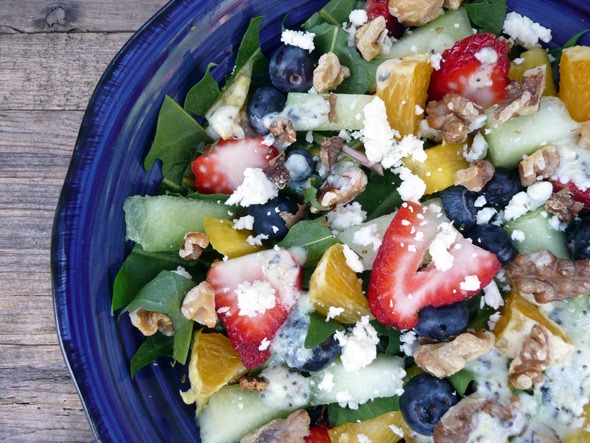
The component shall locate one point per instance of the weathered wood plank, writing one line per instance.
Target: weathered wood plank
(76, 15)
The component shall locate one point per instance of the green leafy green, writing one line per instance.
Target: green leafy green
(211, 197)
(319, 329)
(380, 197)
(311, 235)
(177, 135)
(337, 415)
(155, 346)
(165, 294)
(335, 12)
(203, 94)
(487, 15)
(250, 50)
(571, 42)
(389, 338)
(481, 319)
(310, 197)
(460, 381)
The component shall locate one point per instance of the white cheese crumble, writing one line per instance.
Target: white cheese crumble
(256, 241)
(418, 110)
(435, 60)
(327, 383)
(264, 344)
(245, 222)
(480, 202)
(368, 235)
(492, 296)
(493, 320)
(408, 146)
(540, 192)
(362, 438)
(471, 283)
(268, 140)
(359, 346)
(439, 248)
(518, 235)
(256, 189)
(303, 40)
(397, 430)
(182, 272)
(518, 61)
(487, 56)
(358, 17)
(255, 298)
(556, 224)
(352, 260)
(427, 132)
(535, 196)
(409, 342)
(377, 135)
(525, 31)
(412, 187)
(334, 312)
(478, 149)
(344, 216)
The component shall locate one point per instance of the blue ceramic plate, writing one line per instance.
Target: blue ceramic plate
(167, 56)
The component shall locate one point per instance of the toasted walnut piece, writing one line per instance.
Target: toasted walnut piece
(549, 278)
(584, 141)
(193, 245)
(329, 73)
(292, 219)
(252, 384)
(447, 358)
(475, 177)
(454, 115)
(367, 38)
(330, 150)
(293, 429)
(277, 172)
(199, 305)
(415, 12)
(332, 115)
(563, 205)
(283, 130)
(452, 4)
(150, 322)
(522, 98)
(540, 164)
(528, 366)
(341, 189)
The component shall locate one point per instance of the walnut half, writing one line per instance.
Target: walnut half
(342, 188)
(367, 38)
(534, 357)
(475, 177)
(540, 164)
(522, 98)
(454, 115)
(150, 322)
(292, 429)
(563, 205)
(199, 305)
(193, 245)
(415, 12)
(329, 73)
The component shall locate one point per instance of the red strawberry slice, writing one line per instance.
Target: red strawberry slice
(376, 8)
(461, 71)
(318, 434)
(253, 296)
(222, 171)
(398, 289)
(579, 195)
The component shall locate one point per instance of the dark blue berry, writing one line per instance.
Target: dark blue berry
(264, 101)
(580, 240)
(424, 401)
(459, 205)
(322, 355)
(291, 69)
(502, 187)
(267, 217)
(443, 321)
(494, 239)
(300, 165)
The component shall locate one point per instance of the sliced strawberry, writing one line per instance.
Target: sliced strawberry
(461, 71)
(222, 171)
(318, 434)
(268, 275)
(398, 289)
(376, 8)
(579, 195)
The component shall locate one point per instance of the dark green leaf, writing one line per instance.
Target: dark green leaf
(165, 294)
(311, 199)
(335, 12)
(481, 319)
(250, 50)
(211, 197)
(319, 329)
(380, 197)
(338, 415)
(571, 42)
(203, 94)
(487, 15)
(460, 381)
(155, 346)
(312, 236)
(138, 270)
(305, 277)
(389, 341)
(177, 136)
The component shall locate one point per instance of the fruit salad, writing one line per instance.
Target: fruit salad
(379, 232)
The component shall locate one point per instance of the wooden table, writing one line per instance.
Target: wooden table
(52, 53)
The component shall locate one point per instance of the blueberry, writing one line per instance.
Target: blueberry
(267, 217)
(291, 69)
(262, 102)
(502, 187)
(458, 203)
(300, 165)
(494, 239)
(580, 238)
(424, 401)
(443, 321)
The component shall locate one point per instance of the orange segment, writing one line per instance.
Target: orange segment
(214, 363)
(402, 83)
(574, 83)
(226, 240)
(333, 283)
(380, 429)
(534, 57)
(439, 168)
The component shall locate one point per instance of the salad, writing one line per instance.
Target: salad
(378, 233)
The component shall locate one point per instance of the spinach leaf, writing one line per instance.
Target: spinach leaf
(310, 197)
(487, 15)
(481, 319)
(211, 197)
(165, 294)
(571, 42)
(311, 235)
(154, 346)
(380, 197)
(389, 338)
(203, 94)
(332, 38)
(335, 12)
(250, 51)
(177, 135)
(460, 381)
(138, 270)
(319, 329)
(337, 415)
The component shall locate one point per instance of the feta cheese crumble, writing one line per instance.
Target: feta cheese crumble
(368, 235)
(376, 135)
(471, 283)
(492, 296)
(303, 40)
(518, 235)
(409, 342)
(487, 55)
(352, 260)
(255, 298)
(344, 216)
(245, 222)
(480, 202)
(412, 187)
(478, 149)
(525, 31)
(439, 248)
(334, 312)
(256, 189)
(359, 346)
(435, 60)
(358, 17)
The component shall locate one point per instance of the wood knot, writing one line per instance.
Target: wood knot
(56, 16)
